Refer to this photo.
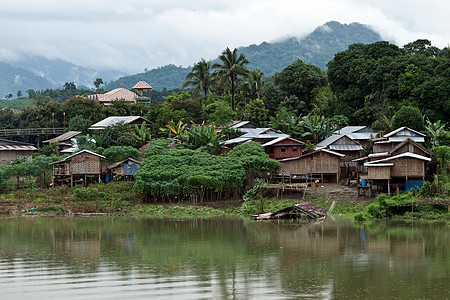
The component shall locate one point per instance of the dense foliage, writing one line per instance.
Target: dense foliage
(177, 173)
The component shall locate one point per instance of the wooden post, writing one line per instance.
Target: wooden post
(71, 180)
(370, 189)
(389, 187)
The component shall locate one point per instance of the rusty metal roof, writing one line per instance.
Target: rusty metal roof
(17, 148)
(63, 137)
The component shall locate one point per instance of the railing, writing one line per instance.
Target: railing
(32, 131)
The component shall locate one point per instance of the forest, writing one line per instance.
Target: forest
(379, 85)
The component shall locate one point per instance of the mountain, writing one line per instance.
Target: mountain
(13, 79)
(59, 71)
(317, 48)
(170, 77)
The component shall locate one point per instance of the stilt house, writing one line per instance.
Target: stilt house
(82, 167)
(321, 163)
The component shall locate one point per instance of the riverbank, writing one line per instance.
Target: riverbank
(117, 198)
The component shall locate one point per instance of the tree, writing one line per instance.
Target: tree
(299, 80)
(220, 112)
(231, 68)
(421, 46)
(98, 82)
(19, 93)
(199, 78)
(408, 116)
(256, 112)
(9, 96)
(119, 153)
(70, 86)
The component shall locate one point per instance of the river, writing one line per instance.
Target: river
(221, 258)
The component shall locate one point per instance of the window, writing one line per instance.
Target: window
(294, 149)
(283, 149)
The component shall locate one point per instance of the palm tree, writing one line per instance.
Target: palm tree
(199, 78)
(255, 83)
(231, 68)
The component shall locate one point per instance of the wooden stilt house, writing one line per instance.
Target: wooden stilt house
(323, 163)
(82, 167)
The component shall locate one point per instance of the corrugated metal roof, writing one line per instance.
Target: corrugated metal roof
(282, 138)
(329, 140)
(397, 139)
(404, 128)
(348, 130)
(378, 165)
(113, 120)
(362, 135)
(237, 140)
(63, 137)
(17, 148)
(346, 147)
(406, 154)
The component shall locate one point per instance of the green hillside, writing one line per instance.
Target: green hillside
(14, 79)
(318, 48)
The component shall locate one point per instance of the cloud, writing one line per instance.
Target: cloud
(137, 34)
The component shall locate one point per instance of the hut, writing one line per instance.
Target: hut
(11, 150)
(396, 171)
(127, 168)
(143, 92)
(82, 167)
(322, 163)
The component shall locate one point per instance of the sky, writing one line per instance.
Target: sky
(134, 35)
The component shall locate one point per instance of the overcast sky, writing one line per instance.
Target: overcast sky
(136, 34)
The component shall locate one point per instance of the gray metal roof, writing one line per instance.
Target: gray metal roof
(346, 147)
(412, 131)
(329, 140)
(113, 120)
(63, 137)
(349, 129)
(362, 135)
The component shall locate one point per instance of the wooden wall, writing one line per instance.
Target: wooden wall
(317, 163)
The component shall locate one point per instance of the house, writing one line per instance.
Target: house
(127, 168)
(277, 144)
(283, 147)
(323, 163)
(360, 134)
(238, 125)
(393, 138)
(141, 95)
(65, 141)
(82, 167)
(11, 150)
(342, 144)
(130, 120)
(114, 95)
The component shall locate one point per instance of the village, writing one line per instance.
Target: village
(353, 157)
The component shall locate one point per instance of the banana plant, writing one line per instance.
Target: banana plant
(142, 132)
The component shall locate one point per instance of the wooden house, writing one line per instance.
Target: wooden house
(283, 147)
(127, 168)
(11, 150)
(396, 170)
(82, 167)
(393, 138)
(323, 163)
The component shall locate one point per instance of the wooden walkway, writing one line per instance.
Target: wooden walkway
(32, 131)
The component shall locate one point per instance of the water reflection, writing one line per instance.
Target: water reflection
(226, 258)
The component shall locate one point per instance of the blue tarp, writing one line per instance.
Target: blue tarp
(411, 184)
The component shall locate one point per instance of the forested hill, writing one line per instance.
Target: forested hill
(317, 48)
(15, 79)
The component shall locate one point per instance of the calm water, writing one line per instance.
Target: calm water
(225, 258)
